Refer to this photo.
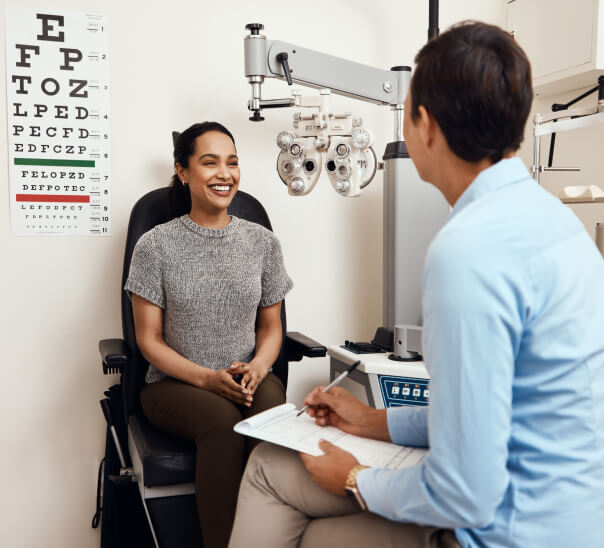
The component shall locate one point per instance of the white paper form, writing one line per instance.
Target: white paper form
(280, 426)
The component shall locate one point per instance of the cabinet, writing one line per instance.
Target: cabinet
(563, 40)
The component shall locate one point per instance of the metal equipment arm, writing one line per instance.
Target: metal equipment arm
(275, 59)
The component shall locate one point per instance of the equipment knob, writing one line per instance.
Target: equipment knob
(361, 138)
(285, 140)
(342, 149)
(342, 186)
(292, 166)
(297, 185)
(282, 58)
(254, 28)
(256, 117)
(344, 170)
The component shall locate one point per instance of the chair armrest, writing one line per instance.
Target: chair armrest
(114, 354)
(298, 345)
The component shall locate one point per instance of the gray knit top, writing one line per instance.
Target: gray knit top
(209, 283)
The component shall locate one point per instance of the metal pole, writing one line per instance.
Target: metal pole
(536, 149)
(433, 29)
(398, 122)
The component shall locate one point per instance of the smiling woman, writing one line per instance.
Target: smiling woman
(206, 293)
(207, 167)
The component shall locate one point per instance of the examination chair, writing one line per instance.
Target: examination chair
(164, 465)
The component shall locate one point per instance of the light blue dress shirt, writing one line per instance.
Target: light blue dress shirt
(513, 301)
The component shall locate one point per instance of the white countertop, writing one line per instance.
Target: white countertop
(379, 364)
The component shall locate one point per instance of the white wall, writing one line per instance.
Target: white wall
(174, 63)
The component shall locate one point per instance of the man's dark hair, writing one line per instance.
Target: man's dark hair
(184, 148)
(476, 82)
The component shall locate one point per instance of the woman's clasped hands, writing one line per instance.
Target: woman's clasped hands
(238, 382)
(252, 374)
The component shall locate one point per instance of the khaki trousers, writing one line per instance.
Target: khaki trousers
(280, 506)
(207, 419)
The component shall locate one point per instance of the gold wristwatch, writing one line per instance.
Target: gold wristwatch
(351, 485)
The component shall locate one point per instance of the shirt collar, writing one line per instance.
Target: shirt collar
(499, 175)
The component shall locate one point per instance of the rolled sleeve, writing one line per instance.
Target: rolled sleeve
(145, 276)
(408, 425)
(275, 281)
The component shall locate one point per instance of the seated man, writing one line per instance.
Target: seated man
(513, 302)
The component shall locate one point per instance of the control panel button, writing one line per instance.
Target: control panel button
(399, 391)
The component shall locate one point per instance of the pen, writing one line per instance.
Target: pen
(335, 382)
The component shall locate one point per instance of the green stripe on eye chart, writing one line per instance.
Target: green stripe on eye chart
(48, 162)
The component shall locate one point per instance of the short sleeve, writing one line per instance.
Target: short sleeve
(145, 276)
(275, 281)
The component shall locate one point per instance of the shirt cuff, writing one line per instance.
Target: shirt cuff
(146, 293)
(373, 483)
(276, 295)
(408, 425)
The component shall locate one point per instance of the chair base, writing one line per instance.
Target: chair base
(174, 521)
(171, 509)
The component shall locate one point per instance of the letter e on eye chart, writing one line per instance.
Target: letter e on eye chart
(57, 83)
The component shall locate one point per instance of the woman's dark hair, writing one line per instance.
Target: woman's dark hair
(184, 148)
(476, 82)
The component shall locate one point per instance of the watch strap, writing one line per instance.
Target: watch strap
(351, 485)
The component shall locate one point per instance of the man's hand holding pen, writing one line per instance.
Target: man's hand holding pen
(337, 408)
(335, 382)
(331, 405)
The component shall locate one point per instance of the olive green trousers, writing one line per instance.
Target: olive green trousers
(207, 419)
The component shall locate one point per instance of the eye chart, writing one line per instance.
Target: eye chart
(57, 78)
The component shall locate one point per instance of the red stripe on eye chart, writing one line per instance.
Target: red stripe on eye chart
(52, 198)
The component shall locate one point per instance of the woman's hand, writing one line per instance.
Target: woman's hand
(253, 374)
(221, 382)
